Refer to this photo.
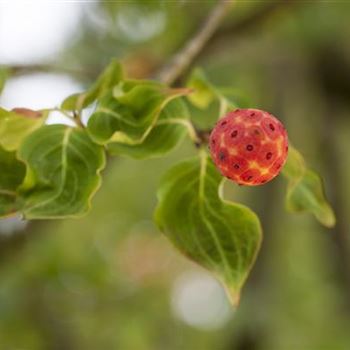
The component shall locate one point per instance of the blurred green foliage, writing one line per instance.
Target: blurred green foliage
(106, 281)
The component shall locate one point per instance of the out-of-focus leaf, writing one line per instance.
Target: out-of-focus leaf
(166, 134)
(295, 166)
(222, 236)
(204, 93)
(130, 118)
(15, 125)
(63, 172)
(12, 173)
(305, 191)
(234, 98)
(110, 77)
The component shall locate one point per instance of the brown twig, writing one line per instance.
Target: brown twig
(183, 59)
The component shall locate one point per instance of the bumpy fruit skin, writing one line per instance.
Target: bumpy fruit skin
(249, 146)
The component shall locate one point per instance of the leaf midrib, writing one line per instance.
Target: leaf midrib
(201, 201)
(66, 136)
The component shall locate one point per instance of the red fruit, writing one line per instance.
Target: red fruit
(249, 146)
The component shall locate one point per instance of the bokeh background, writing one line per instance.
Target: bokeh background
(110, 280)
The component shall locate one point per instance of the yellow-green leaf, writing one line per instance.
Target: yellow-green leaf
(305, 192)
(203, 91)
(109, 78)
(15, 125)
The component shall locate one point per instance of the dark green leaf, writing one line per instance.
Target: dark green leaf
(63, 172)
(15, 125)
(222, 236)
(109, 78)
(305, 191)
(12, 173)
(167, 133)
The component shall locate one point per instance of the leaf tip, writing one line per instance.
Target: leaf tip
(233, 296)
(330, 220)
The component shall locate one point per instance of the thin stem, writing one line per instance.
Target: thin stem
(183, 59)
(46, 68)
(65, 113)
(75, 118)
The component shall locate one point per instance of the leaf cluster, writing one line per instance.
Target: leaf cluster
(53, 171)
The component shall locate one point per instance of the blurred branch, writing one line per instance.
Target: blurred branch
(208, 36)
(183, 59)
(45, 68)
(253, 20)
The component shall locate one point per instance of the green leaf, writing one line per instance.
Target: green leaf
(233, 98)
(222, 236)
(305, 192)
(63, 172)
(205, 95)
(12, 173)
(169, 130)
(204, 92)
(15, 125)
(295, 166)
(129, 118)
(110, 77)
